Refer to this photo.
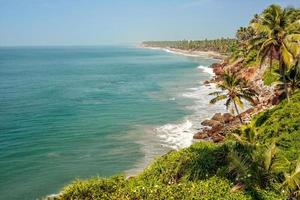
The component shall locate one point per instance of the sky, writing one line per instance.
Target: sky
(103, 22)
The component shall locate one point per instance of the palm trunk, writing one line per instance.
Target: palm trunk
(283, 74)
(238, 113)
(271, 61)
(286, 86)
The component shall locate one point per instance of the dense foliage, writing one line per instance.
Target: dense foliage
(193, 173)
(220, 45)
(282, 125)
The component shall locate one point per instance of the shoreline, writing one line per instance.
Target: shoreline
(145, 162)
(189, 53)
(196, 94)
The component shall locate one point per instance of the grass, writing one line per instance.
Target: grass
(281, 124)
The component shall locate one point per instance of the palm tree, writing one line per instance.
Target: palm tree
(248, 136)
(278, 36)
(265, 162)
(236, 90)
(291, 184)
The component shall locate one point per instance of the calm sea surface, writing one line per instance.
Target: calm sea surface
(77, 112)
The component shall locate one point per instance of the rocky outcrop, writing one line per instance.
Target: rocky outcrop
(201, 136)
(215, 127)
(217, 117)
(227, 118)
(210, 122)
(218, 68)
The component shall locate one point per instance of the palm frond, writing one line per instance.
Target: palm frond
(228, 102)
(260, 28)
(217, 93)
(287, 56)
(292, 181)
(237, 164)
(218, 98)
(238, 102)
(269, 155)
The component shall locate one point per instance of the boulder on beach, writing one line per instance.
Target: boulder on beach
(210, 122)
(227, 117)
(216, 129)
(200, 135)
(217, 117)
(207, 82)
(218, 138)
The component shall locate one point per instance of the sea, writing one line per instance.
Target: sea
(77, 112)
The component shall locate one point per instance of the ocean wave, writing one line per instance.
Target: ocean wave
(180, 135)
(176, 136)
(205, 69)
(180, 53)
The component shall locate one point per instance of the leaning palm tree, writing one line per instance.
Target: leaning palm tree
(234, 90)
(278, 36)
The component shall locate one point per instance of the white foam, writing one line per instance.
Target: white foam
(180, 135)
(205, 69)
(180, 53)
(176, 136)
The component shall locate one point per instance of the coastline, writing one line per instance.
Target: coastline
(196, 93)
(203, 133)
(190, 125)
(189, 53)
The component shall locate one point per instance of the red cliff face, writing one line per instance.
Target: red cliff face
(247, 73)
(218, 69)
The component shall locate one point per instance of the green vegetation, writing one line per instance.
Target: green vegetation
(193, 173)
(259, 161)
(277, 34)
(283, 124)
(237, 90)
(271, 76)
(220, 45)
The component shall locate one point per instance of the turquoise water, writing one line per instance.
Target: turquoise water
(77, 112)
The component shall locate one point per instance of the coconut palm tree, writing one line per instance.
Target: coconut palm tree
(291, 184)
(278, 36)
(265, 162)
(234, 90)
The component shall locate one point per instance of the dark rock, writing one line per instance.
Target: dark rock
(207, 82)
(210, 122)
(218, 138)
(217, 117)
(216, 129)
(200, 136)
(227, 117)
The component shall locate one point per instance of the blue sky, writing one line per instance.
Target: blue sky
(95, 22)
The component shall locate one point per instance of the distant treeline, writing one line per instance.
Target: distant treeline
(222, 45)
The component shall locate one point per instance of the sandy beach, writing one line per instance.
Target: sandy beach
(190, 53)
